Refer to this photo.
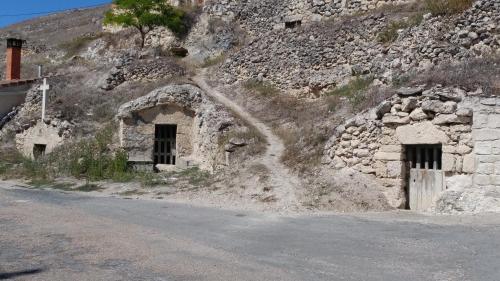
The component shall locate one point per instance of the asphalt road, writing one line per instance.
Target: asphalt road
(47, 235)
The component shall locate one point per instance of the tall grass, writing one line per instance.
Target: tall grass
(447, 7)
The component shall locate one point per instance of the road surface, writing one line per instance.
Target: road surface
(49, 235)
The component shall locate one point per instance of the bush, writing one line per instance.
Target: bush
(447, 7)
(261, 87)
(354, 91)
(211, 61)
(93, 160)
(470, 75)
(390, 33)
(76, 45)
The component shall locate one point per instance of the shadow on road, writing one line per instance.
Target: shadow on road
(9, 275)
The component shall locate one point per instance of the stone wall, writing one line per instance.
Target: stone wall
(374, 141)
(260, 15)
(52, 135)
(486, 134)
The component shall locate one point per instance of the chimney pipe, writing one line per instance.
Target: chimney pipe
(13, 60)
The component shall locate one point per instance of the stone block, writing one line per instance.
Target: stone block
(409, 104)
(443, 119)
(395, 169)
(458, 182)
(495, 180)
(395, 120)
(418, 115)
(482, 180)
(488, 158)
(380, 169)
(469, 163)
(497, 168)
(449, 149)
(483, 148)
(391, 148)
(463, 149)
(480, 121)
(458, 163)
(465, 112)
(485, 168)
(487, 135)
(494, 121)
(361, 152)
(449, 162)
(421, 133)
(389, 156)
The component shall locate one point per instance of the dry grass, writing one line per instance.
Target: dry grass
(390, 32)
(483, 73)
(447, 7)
(261, 87)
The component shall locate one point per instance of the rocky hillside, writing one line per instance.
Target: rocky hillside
(301, 67)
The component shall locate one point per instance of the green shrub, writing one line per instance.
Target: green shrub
(354, 91)
(76, 45)
(211, 61)
(390, 33)
(447, 7)
(261, 87)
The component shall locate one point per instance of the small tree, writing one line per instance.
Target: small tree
(144, 15)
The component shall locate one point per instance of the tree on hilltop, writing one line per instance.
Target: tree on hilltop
(145, 15)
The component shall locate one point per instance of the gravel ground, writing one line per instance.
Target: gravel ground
(49, 235)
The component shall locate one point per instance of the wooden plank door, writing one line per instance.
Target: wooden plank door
(425, 187)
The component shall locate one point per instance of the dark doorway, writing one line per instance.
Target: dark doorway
(165, 144)
(39, 150)
(425, 178)
(293, 24)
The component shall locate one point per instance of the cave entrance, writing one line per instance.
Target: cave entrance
(165, 144)
(425, 177)
(293, 24)
(39, 150)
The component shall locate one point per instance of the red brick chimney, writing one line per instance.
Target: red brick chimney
(14, 47)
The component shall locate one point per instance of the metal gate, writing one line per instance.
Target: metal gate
(165, 144)
(426, 177)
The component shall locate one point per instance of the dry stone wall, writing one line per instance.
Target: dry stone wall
(316, 57)
(466, 125)
(374, 142)
(262, 15)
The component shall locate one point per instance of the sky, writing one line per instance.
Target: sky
(18, 7)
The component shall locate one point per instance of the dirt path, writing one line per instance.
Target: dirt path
(285, 184)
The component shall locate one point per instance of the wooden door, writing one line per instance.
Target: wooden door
(426, 178)
(425, 187)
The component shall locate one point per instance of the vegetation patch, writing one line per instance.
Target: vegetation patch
(75, 46)
(354, 91)
(472, 74)
(211, 61)
(390, 33)
(447, 7)
(261, 87)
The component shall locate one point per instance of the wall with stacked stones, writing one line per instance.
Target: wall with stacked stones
(465, 124)
(486, 134)
(268, 14)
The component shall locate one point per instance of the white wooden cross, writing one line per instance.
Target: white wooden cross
(44, 88)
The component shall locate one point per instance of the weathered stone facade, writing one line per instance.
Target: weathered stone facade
(199, 124)
(49, 136)
(467, 126)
